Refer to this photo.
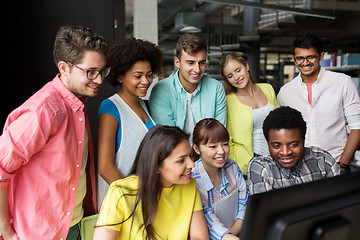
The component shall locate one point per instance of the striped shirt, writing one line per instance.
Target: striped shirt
(265, 174)
(231, 179)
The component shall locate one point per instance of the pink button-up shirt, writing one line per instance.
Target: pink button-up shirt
(40, 160)
(335, 100)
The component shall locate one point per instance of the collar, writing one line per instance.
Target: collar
(319, 77)
(70, 99)
(206, 179)
(288, 171)
(180, 88)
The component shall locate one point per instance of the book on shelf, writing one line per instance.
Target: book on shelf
(335, 60)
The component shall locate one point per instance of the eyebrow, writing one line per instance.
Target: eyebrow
(141, 71)
(275, 142)
(204, 60)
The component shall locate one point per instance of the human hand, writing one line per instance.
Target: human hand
(229, 236)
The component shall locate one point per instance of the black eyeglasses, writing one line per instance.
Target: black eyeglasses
(310, 59)
(92, 74)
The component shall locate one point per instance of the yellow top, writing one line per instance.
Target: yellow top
(172, 220)
(240, 126)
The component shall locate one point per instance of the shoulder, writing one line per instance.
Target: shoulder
(126, 185)
(316, 152)
(163, 88)
(256, 164)
(210, 82)
(190, 187)
(265, 86)
(196, 169)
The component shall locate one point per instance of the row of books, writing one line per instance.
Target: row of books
(340, 60)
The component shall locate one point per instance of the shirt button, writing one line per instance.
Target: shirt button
(68, 213)
(80, 119)
(77, 165)
(73, 189)
(80, 142)
(61, 239)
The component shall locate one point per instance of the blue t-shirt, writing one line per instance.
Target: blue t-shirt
(107, 106)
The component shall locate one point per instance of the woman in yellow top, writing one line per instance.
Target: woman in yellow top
(159, 200)
(248, 104)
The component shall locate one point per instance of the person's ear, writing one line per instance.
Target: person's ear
(196, 149)
(321, 56)
(63, 67)
(120, 79)
(177, 62)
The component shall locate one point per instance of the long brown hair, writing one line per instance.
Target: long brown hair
(208, 130)
(223, 62)
(157, 145)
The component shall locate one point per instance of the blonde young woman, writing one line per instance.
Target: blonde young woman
(248, 104)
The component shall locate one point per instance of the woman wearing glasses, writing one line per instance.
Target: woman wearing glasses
(123, 119)
(248, 104)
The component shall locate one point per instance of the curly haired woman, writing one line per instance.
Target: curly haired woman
(123, 119)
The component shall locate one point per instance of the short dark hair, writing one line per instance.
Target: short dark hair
(72, 42)
(284, 118)
(307, 41)
(191, 43)
(123, 54)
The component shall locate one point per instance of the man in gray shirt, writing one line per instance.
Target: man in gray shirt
(289, 162)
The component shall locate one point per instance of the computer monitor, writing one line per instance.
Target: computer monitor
(320, 210)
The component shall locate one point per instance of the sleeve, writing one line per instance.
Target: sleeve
(243, 194)
(280, 98)
(258, 178)
(198, 204)
(112, 211)
(160, 105)
(331, 166)
(351, 101)
(25, 133)
(220, 114)
(107, 106)
(273, 97)
(217, 230)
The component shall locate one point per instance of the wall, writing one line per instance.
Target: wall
(30, 31)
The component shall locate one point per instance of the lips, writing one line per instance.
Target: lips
(143, 89)
(94, 87)
(187, 174)
(219, 160)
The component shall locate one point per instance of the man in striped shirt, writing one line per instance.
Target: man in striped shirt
(289, 162)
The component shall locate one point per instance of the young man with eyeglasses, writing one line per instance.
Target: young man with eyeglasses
(47, 173)
(327, 100)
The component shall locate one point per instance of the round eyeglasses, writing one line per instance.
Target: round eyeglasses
(92, 74)
(310, 59)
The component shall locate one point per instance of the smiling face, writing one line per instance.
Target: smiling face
(213, 155)
(308, 68)
(76, 80)
(286, 146)
(191, 69)
(237, 74)
(176, 168)
(136, 80)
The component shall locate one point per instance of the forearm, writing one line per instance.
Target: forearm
(236, 227)
(110, 173)
(6, 228)
(352, 144)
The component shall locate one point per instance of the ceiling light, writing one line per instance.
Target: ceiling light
(190, 29)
